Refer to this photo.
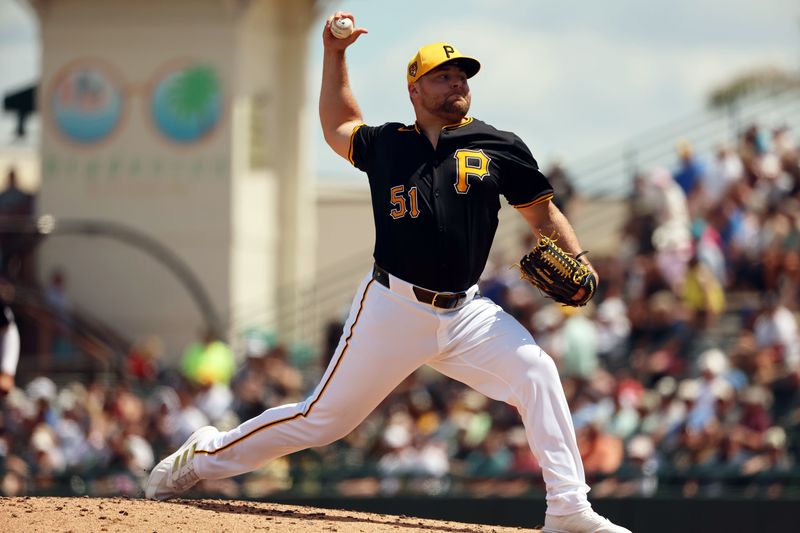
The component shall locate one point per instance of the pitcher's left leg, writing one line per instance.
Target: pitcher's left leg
(486, 348)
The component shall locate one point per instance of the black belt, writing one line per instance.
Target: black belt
(442, 300)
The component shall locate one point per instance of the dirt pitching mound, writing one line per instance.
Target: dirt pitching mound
(62, 515)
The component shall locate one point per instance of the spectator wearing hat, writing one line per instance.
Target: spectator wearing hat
(613, 330)
(625, 419)
(672, 237)
(756, 401)
(579, 343)
(702, 294)
(712, 364)
(638, 475)
(726, 170)
(689, 172)
(776, 329)
(667, 413)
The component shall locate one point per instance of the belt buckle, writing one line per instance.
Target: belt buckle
(452, 303)
(435, 295)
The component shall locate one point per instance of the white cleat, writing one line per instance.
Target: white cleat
(176, 474)
(586, 521)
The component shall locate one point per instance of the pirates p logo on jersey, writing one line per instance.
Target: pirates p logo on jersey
(470, 163)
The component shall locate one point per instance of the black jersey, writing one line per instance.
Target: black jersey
(436, 210)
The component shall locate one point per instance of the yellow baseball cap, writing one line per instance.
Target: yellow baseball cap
(433, 55)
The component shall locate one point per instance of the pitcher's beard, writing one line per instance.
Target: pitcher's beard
(457, 108)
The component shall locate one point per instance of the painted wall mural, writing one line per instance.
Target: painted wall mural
(88, 101)
(186, 103)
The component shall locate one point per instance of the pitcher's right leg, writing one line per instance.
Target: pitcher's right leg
(384, 340)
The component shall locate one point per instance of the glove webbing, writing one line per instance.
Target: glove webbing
(564, 264)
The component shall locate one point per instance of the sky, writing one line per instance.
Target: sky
(569, 77)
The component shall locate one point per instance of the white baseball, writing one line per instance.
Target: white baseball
(342, 28)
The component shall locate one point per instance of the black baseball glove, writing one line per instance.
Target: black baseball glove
(558, 274)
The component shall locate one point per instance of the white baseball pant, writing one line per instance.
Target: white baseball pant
(387, 336)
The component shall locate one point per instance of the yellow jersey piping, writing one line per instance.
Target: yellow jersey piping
(536, 201)
(458, 125)
(415, 127)
(350, 146)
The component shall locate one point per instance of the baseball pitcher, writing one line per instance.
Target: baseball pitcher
(436, 187)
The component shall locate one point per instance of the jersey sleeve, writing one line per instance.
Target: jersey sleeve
(523, 184)
(362, 146)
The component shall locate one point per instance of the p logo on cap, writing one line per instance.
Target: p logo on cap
(433, 55)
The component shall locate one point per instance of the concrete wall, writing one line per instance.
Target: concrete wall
(171, 118)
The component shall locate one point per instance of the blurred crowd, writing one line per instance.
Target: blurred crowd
(683, 374)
